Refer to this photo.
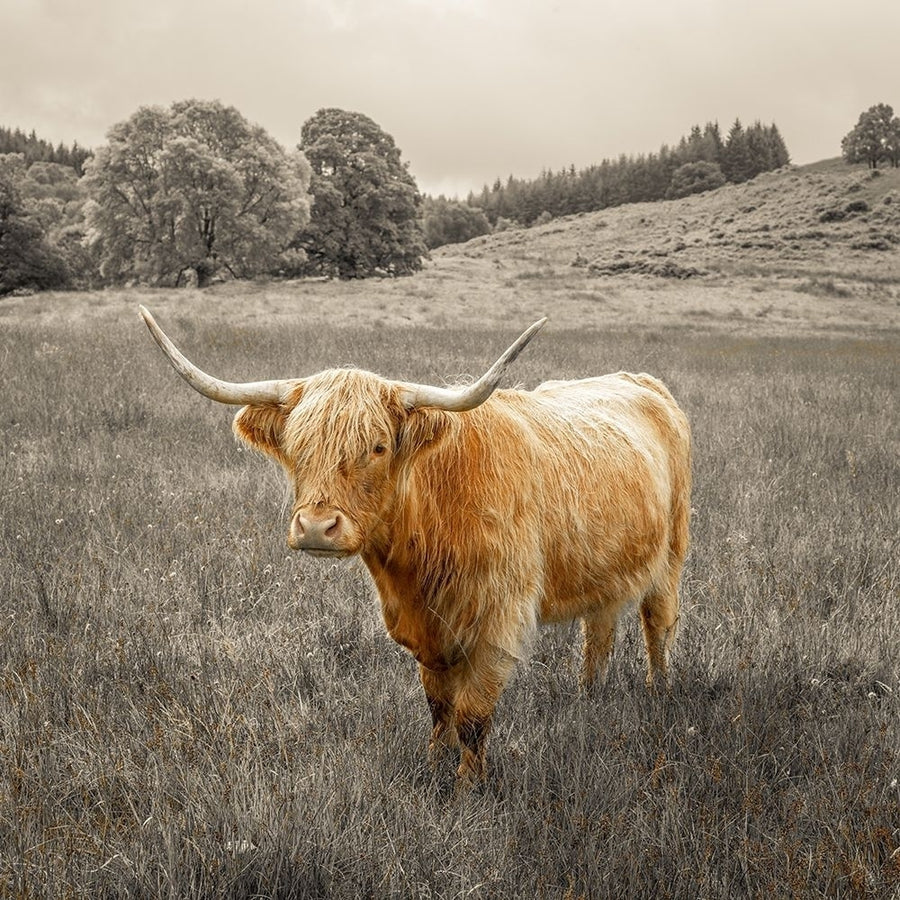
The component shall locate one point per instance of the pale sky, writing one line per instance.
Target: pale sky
(469, 89)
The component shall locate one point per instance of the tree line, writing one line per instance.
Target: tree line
(193, 193)
(702, 160)
(35, 149)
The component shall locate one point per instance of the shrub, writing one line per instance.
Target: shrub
(695, 178)
(504, 224)
(451, 222)
(872, 243)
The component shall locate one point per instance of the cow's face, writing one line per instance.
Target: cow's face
(342, 436)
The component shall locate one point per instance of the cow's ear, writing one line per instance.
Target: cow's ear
(262, 427)
(421, 429)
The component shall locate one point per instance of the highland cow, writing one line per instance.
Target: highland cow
(482, 512)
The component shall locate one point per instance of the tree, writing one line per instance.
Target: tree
(777, 147)
(631, 179)
(365, 216)
(713, 145)
(736, 163)
(870, 141)
(194, 188)
(37, 150)
(892, 143)
(451, 222)
(695, 178)
(759, 150)
(27, 260)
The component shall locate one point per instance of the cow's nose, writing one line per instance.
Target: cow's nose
(311, 532)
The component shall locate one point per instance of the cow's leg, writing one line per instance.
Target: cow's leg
(599, 630)
(659, 617)
(481, 683)
(440, 692)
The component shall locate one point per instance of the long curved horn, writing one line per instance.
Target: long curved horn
(238, 394)
(465, 398)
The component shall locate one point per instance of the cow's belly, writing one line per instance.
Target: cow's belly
(604, 569)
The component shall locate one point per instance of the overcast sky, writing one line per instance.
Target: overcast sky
(469, 89)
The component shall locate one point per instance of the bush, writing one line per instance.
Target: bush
(451, 222)
(873, 243)
(504, 224)
(695, 178)
(292, 263)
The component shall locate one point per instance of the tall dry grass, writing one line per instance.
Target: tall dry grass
(186, 709)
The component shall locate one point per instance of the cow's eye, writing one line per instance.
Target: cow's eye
(379, 450)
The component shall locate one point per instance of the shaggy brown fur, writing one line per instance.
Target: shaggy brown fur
(569, 501)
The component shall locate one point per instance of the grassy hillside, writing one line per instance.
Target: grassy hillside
(759, 257)
(828, 231)
(823, 220)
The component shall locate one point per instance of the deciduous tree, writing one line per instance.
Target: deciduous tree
(695, 178)
(365, 216)
(194, 188)
(870, 141)
(892, 144)
(451, 222)
(27, 260)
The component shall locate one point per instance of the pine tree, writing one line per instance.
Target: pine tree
(714, 146)
(777, 147)
(736, 164)
(759, 150)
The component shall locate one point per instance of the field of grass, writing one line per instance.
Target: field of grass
(188, 709)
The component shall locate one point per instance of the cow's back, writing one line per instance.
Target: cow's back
(612, 456)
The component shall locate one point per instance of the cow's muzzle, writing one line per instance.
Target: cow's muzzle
(320, 534)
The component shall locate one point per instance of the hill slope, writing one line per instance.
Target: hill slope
(813, 249)
(825, 219)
